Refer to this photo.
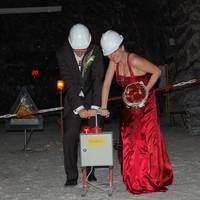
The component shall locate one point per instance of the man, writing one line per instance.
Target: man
(81, 68)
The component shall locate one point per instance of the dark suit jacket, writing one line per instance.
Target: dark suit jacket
(90, 84)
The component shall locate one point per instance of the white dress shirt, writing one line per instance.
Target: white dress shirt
(81, 94)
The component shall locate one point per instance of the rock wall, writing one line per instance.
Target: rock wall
(186, 25)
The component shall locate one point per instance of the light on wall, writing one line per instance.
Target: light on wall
(41, 9)
(172, 41)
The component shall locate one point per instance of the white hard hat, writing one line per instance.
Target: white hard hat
(79, 37)
(110, 41)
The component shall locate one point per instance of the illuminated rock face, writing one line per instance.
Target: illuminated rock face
(192, 120)
(187, 62)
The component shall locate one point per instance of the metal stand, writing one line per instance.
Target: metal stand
(85, 181)
(61, 115)
(110, 181)
(27, 138)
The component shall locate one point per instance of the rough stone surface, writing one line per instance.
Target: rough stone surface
(186, 29)
(192, 120)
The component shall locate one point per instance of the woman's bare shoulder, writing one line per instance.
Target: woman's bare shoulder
(136, 59)
(133, 57)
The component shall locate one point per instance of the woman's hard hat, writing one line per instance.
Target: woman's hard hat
(110, 42)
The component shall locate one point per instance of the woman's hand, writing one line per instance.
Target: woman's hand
(104, 112)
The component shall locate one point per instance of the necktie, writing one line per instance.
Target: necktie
(80, 65)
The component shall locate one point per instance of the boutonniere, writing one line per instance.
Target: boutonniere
(87, 61)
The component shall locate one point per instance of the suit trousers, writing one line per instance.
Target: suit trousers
(72, 128)
(72, 125)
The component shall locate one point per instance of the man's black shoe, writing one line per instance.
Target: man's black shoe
(71, 182)
(92, 177)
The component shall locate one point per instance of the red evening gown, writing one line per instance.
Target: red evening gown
(145, 163)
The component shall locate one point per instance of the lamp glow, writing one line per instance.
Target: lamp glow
(60, 85)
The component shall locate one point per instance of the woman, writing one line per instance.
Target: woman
(145, 163)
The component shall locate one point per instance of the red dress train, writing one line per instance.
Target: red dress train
(145, 163)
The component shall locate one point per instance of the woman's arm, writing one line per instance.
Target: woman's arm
(143, 65)
(106, 88)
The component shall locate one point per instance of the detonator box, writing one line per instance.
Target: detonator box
(96, 149)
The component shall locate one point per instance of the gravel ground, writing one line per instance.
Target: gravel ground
(38, 174)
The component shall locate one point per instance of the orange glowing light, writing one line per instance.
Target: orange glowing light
(60, 84)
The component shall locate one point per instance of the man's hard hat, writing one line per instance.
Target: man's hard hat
(79, 36)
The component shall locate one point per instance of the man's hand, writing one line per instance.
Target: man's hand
(92, 113)
(83, 113)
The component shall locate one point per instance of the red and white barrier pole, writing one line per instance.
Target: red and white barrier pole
(165, 88)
